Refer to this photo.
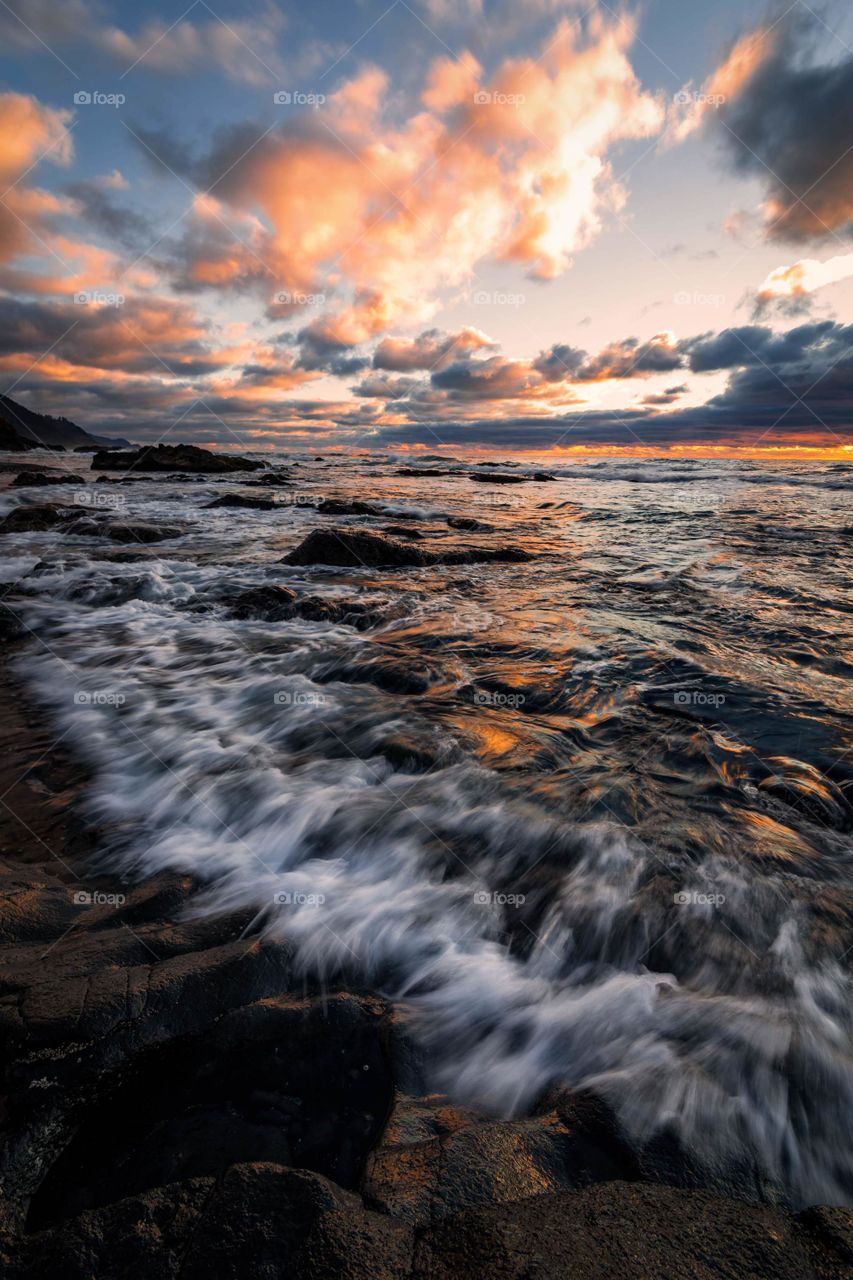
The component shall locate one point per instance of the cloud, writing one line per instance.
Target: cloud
(119, 223)
(785, 118)
(633, 359)
(666, 397)
(246, 50)
(804, 277)
(143, 335)
(411, 208)
(32, 24)
(432, 349)
(29, 133)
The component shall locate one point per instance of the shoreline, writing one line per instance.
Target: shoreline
(178, 1101)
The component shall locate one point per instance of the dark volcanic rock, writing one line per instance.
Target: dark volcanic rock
(174, 457)
(347, 548)
(242, 500)
(38, 479)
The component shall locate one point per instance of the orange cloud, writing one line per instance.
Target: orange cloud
(388, 216)
(29, 132)
(802, 278)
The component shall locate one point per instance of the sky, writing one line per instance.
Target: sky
(562, 225)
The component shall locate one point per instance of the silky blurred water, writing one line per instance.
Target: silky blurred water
(586, 817)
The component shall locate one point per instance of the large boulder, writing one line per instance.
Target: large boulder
(173, 457)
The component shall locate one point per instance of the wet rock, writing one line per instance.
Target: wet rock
(435, 1159)
(495, 477)
(400, 531)
(662, 1159)
(145, 1235)
(829, 1231)
(469, 525)
(620, 1231)
(269, 604)
(301, 1082)
(173, 457)
(353, 613)
(426, 472)
(38, 479)
(387, 671)
(35, 519)
(272, 480)
(339, 507)
(278, 604)
(347, 548)
(264, 1220)
(242, 500)
(142, 532)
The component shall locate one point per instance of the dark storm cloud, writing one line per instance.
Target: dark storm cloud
(759, 345)
(791, 125)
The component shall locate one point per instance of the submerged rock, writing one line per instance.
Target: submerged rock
(242, 500)
(142, 532)
(35, 519)
(267, 603)
(495, 477)
(350, 548)
(173, 457)
(38, 479)
(279, 604)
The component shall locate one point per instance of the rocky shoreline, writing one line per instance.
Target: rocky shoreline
(178, 1105)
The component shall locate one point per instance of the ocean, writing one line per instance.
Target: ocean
(585, 817)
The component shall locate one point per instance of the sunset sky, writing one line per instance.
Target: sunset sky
(509, 224)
